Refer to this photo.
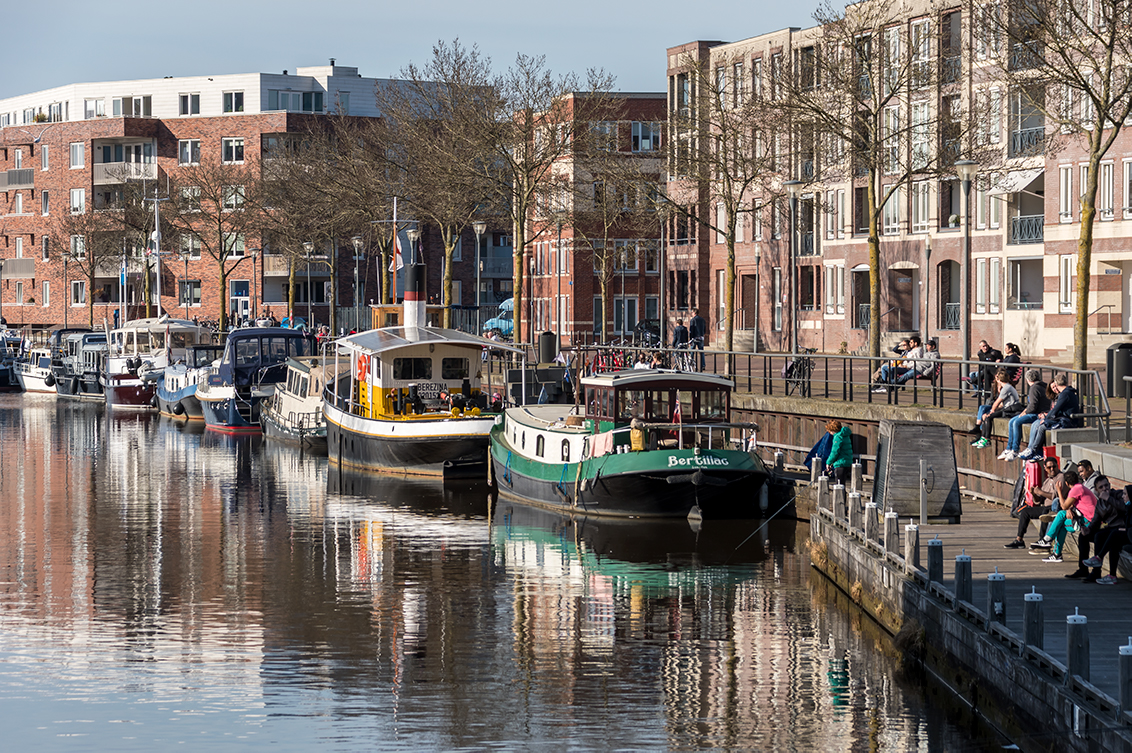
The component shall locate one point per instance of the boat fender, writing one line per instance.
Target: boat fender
(75, 386)
(695, 514)
(153, 401)
(49, 380)
(764, 498)
(178, 409)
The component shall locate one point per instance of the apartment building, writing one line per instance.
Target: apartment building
(1001, 268)
(70, 150)
(606, 233)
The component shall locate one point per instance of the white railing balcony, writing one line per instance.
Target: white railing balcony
(109, 173)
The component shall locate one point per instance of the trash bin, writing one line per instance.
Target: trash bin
(548, 347)
(1119, 365)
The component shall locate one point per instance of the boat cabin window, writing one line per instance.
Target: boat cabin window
(685, 398)
(565, 450)
(300, 346)
(454, 368)
(659, 409)
(630, 404)
(274, 350)
(540, 445)
(713, 404)
(412, 368)
(247, 352)
(303, 383)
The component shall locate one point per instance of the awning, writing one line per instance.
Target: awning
(904, 264)
(860, 268)
(1015, 181)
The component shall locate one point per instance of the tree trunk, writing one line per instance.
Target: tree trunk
(332, 304)
(222, 279)
(446, 285)
(1084, 262)
(874, 269)
(519, 243)
(729, 294)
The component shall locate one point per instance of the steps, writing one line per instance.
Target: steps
(1097, 345)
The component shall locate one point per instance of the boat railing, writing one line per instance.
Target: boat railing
(304, 421)
(718, 435)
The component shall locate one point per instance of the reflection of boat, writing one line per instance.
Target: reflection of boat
(138, 351)
(294, 413)
(34, 372)
(254, 362)
(425, 495)
(651, 443)
(409, 399)
(177, 386)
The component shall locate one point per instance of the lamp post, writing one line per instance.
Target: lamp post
(2, 320)
(793, 187)
(966, 170)
(758, 286)
(479, 226)
(558, 276)
(357, 241)
(928, 288)
(255, 284)
(309, 248)
(185, 282)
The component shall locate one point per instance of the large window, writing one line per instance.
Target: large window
(981, 286)
(646, 137)
(921, 206)
(188, 152)
(78, 247)
(78, 200)
(412, 368)
(233, 101)
(454, 368)
(233, 197)
(1104, 192)
(78, 155)
(189, 292)
(78, 292)
(776, 294)
(45, 204)
(995, 297)
(190, 245)
(1066, 279)
(190, 104)
(232, 150)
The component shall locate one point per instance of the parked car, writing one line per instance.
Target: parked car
(505, 321)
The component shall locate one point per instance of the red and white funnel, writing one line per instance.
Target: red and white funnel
(415, 300)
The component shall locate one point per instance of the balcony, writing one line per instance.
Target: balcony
(1027, 141)
(16, 179)
(864, 316)
(952, 315)
(109, 173)
(491, 267)
(1025, 55)
(806, 244)
(1027, 229)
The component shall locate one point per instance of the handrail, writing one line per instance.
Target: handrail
(1108, 306)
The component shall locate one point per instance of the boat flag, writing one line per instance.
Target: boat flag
(677, 418)
(544, 396)
(397, 262)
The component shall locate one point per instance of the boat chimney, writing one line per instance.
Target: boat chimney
(415, 314)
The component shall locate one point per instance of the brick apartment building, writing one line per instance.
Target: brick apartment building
(69, 149)
(1024, 224)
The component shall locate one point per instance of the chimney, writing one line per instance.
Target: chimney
(415, 296)
(331, 62)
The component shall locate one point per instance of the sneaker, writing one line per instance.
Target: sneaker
(983, 442)
(879, 390)
(1047, 518)
(1108, 580)
(1053, 558)
(1006, 455)
(1016, 544)
(1092, 562)
(1042, 544)
(1078, 573)
(1026, 454)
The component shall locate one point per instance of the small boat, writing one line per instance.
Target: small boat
(77, 365)
(645, 443)
(294, 413)
(11, 353)
(254, 362)
(138, 351)
(177, 385)
(410, 399)
(34, 372)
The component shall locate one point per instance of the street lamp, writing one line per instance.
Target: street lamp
(414, 235)
(479, 226)
(357, 241)
(758, 291)
(928, 288)
(184, 281)
(309, 248)
(966, 170)
(558, 276)
(255, 284)
(793, 188)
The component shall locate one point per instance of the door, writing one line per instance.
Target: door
(240, 302)
(749, 291)
(899, 300)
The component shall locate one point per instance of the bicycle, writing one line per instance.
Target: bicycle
(686, 358)
(798, 371)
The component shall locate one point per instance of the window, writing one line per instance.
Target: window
(78, 247)
(78, 154)
(232, 150)
(20, 293)
(46, 247)
(995, 293)
(233, 245)
(412, 368)
(188, 152)
(920, 135)
(190, 197)
(233, 197)
(1104, 192)
(18, 158)
(19, 247)
(1084, 179)
(981, 286)
(44, 162)
(720, 223)
(919, 46)
(343, 103)
(1127, 189)
(1066, 292)
(45, 296)
(776, 295)
(891, 139)
(188, 292)
(737, 83)
(981, 202)
(921, 204)
(233, 101)
(190, 104)
(721, 287)
(757, 77)
(78, 292)
(1065, 193)
(18, 203)
(995, 211)
(841, 213)
(646, 137)
(831, 214)
(190, 245)
(890, 213)
(78, 200)
(94, 108)
(454, 368)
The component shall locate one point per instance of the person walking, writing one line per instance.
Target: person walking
(679, 334)
(697, 332)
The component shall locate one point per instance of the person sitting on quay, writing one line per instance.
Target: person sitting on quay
(890, 372)
(980, 378)
(922, 365)
(1112, 512)
(1013, 356)
(1042, 499)
(1060, 416)
(840, 460)
(1078, 507)
(1088, 474)
(1110, 541)
(1006, 404)
(899, 349)
(1037, 403)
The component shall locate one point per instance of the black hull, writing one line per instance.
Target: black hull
(189, 408)
(71, 385)
(459, 457)
(643, 495)
(314, 442)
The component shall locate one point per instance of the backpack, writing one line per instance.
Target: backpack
(1018, 497)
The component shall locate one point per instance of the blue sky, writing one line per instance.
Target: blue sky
(68, 41)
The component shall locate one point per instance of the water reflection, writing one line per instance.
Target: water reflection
(161, 585)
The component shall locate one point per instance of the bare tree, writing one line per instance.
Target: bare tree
(1066, 64)
(93, 243)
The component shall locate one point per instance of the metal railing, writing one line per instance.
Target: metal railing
(864, 316)
(1027, 228)
(1027, 141)
(1108, 326)
(952, 316)
(806, 244)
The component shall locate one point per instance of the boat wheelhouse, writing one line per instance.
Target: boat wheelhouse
(294, 413)
(34, 372)
(643, 443)
(144, 347)
(254, 361)
(78, 367)
(11, 353)
(177, 386)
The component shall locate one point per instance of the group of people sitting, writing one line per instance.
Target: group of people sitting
(1077, 500)
(1047, 406)
(917, 360)
(652, 360)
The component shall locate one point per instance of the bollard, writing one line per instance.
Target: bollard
(857, 477)
(1033, 620)
(838, 494)
(855, 510)
(1077, 644)
(891, 526)
(817, 468)
(823, 494)
(779, 461)
(911, 548)
(935, 561)
(996, 597)
(1126, 677)
(963, 583)
(871, 522)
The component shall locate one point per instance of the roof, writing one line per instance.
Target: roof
(634, 377)
(377, 341)
(160, 323)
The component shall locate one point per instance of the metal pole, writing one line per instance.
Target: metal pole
(255, 284)
(965, 321)
(558, 299)
(928, 288)
(793, 276)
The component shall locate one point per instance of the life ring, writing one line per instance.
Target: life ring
(363, 367)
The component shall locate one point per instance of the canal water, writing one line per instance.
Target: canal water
(162, 586)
